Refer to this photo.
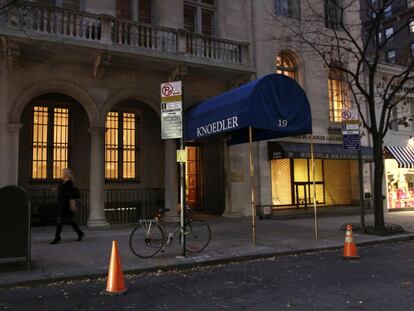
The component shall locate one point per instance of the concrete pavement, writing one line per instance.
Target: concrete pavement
(231, 241)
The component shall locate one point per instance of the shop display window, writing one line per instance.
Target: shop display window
(400, 185)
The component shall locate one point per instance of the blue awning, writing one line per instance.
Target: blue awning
(274, 105)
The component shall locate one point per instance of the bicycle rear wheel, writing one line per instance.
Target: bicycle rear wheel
(197, 235)
(146, 239)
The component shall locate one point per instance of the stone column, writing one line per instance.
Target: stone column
(230, 210)
(11, 154)
(97, 179)
(170, 178)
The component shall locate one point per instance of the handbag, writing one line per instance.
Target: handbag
(76, 193)
(72, 205)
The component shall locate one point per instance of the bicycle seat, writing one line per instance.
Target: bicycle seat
(163, 210)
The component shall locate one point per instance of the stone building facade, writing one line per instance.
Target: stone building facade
(80, 87)
(287, 183)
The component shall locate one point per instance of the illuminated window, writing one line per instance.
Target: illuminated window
(60, 141)
(285, 65)
(121, 146)
(303, 181)
(128, 146)
(50, 142)
(111, 146)
(292, 182)
(338, 97)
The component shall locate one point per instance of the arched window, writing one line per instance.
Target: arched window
(338, 95)
(286, 65)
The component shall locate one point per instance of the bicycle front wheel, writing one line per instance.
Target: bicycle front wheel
(197, 235)
(146, 239)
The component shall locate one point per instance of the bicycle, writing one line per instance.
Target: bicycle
(150, 235)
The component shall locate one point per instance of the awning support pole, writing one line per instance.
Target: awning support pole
(314, 188)
(252, 185)
(361, 190)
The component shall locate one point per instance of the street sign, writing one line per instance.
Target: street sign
(350, 129)
(181, 156)
(171, 110)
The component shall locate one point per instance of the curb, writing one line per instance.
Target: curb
(206, 263)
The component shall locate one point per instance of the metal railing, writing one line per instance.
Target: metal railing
(129, 205)
(44, 206)
(32, 19)
(121, 205)
(144, 36)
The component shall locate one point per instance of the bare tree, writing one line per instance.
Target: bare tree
(332, 29)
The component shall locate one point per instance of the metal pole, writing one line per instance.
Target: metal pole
(314, 189)
(182, 184)
(361, 190)
(252, 186)
(182, 198)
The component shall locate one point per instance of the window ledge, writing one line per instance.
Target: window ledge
(122, 181)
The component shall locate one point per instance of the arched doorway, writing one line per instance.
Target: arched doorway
(54, 136)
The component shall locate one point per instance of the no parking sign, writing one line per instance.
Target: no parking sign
(171, 110)
(350, 129)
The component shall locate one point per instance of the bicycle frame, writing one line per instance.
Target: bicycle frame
(157, 237)
(169, 237)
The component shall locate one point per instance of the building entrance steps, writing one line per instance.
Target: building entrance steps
(231, 241)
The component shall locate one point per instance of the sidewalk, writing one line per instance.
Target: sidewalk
(231, 240)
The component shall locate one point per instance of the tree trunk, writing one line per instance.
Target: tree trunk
(378, 182)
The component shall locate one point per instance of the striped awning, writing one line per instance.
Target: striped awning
(403, 155)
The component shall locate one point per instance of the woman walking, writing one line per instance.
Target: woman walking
(65, 214)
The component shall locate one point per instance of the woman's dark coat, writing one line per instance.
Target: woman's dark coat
(65, 193)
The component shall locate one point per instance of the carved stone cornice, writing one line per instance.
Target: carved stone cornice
(101, 65)
(11, 53)
(239, 81)
(177, 73)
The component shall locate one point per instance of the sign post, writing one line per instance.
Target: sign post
(172, 128)
(352, 140)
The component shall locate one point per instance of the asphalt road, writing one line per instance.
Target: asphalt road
(382, 280)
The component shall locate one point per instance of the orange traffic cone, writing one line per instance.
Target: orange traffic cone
(350, 250)
(115, 284)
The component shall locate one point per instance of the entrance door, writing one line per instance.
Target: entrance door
(194, 178)
(302, 197)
